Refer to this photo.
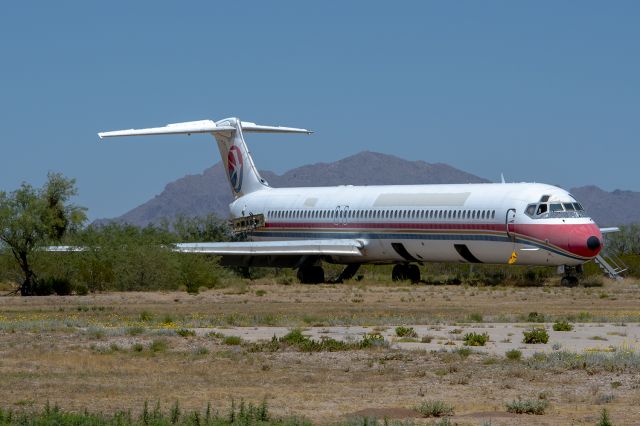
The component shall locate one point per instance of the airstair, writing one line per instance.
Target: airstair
(610, 264)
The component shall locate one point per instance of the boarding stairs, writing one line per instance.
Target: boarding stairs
(610, 264)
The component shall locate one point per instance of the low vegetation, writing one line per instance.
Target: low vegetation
(513, 355)
(535, 336)
(529, 406)
(406, 332)
(562, 326)
(296, 340)
(238, 414)
(434, 408)
(476, 339)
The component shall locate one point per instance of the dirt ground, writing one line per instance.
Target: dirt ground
(106, 352)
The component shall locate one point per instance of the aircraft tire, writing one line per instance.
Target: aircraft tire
(413, 273)
(311, 275)
(399, 272)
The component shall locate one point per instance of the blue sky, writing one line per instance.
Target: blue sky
(541, 91)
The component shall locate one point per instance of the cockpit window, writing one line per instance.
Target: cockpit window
(531, 209)
(554, 210)
(544, 198)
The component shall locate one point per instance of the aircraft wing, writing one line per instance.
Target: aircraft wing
(274, 248)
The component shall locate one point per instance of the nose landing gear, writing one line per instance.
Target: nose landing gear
(571, 277)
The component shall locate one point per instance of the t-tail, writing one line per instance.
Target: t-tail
(242, 173)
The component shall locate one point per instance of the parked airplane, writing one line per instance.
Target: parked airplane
(405, 225)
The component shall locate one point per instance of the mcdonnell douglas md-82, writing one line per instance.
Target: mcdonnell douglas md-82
(404, 225)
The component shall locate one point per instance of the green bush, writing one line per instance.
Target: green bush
(535, 336)
(562, 326)
(535, 317)
(81, 289)
(513, 355)
(476, 339)
(434, 409)
(43, 287)
(185, 332)
(158, 345)
(406, 332)
(531, 406)
(232, 340)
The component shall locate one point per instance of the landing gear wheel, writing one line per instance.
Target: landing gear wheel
(311, 275)
(413, 273)
(399, 273)
(569, 281)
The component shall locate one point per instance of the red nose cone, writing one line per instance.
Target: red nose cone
(585, 240)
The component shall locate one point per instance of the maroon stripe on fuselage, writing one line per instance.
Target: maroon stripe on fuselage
(566, 236)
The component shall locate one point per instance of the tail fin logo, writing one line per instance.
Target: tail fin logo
(234, 166)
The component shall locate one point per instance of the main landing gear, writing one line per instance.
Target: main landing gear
(311, 274)
(402, 272)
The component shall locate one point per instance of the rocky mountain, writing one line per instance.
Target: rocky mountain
(609, 208)
(201, 194)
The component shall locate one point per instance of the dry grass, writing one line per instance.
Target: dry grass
(79, 352)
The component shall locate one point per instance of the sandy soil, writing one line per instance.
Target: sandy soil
(96, 352)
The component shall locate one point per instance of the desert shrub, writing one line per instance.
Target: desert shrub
(529, 406)
(535, 336)
(158, 345)
(185, 332)
(145, 316)
(61, 286)
(475, 317)
(535, 317)
(434, 409)
(463, 352)
(406, 332)
(43, 287)
(476, 339)
(562, 326)
(604, 419)
(513, 355)
(260, 293)
(426, 339)
(232, 340)
(137, 347)
(135, 331)
(372, 340)
(81, 289)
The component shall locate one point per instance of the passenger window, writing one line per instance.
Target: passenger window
(493, 214)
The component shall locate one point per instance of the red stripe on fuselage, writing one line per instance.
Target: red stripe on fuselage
(570, 237)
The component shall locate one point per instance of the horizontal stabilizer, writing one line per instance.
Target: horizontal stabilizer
(256, 128)
(202, 126)
(268, 248)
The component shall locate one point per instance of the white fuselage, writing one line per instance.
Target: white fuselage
(478, 223)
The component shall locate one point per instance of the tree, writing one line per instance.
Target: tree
(31, 218)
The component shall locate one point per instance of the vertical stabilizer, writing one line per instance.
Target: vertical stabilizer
(241, 171)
